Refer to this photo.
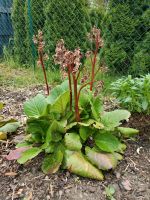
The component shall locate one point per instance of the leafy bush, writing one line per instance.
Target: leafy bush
(70, 125)
(38, 20)
(20, 33)
(68, 23)
(125, 32)
(133, 93)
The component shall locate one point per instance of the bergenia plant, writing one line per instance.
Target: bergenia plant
(70, 125)
(38, 40)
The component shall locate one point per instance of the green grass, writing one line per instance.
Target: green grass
(17, 77)
(12, 75)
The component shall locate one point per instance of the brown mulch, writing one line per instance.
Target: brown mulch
(131, 179)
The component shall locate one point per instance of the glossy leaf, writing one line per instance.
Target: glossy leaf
(54, 133)
(76, 163)
(128, 132)
(107, 142)
(57, 91)
(96, 107)
(85, 132)
(36, 107)
(10, 127)
(16, 154)
(104, 161)
(52, 162)
(60, 105)
(72, 141)
(29, 154)
(114, 118)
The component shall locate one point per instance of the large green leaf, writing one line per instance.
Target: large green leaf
(114, 118)
(36, 107)
(57, 91)
(104, 161)
(60, 105)
(76, 163)
(4, 122)
(96, 107)
(52, 162)
(85, 132)
(107, 142)
(29, 154)
(72, 141)
(54, 133)
(128, 132)
(38, 128)
(10, 127)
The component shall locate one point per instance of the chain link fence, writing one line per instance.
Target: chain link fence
(124, 24)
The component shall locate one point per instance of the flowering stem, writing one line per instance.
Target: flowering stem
(70, 87)
(43, 67)
(93, 65)
(75, 83)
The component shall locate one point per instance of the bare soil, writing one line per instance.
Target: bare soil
(131, 179)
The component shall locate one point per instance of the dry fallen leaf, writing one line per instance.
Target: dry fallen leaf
(127, 185)
(138, 150)
(3, 136)
(10, 174)
(29, 197)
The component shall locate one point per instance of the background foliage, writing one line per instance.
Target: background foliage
(124, 25)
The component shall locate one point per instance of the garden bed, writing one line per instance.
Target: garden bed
(130, 179)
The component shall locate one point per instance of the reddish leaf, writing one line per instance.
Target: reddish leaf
(16, 154)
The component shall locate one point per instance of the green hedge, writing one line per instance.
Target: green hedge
(66, 20)
(20, 33)
(125, 36)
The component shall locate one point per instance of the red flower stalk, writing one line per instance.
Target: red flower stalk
(95, 37)
(69, 62)
(38, 40)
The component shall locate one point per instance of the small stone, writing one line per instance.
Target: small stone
(91, 189)
(118, 175)
(48, 197)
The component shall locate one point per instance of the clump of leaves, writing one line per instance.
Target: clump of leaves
(7, 126)
(133, 93)
(70, 125)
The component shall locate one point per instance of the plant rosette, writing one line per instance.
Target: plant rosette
(85, 148)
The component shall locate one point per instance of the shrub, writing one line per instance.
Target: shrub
(133, 93)
(38, 19)
(69, 23)
(18, 20)
(123, 33)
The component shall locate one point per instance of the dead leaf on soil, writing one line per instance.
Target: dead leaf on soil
(127, 185)
(29, 197)
(3, 136)
(10, 174)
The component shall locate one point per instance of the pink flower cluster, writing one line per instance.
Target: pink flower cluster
(39, 41)
(95, 36)
(66, 58)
